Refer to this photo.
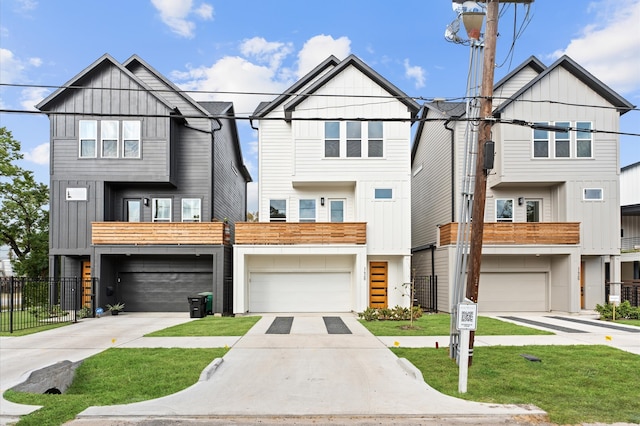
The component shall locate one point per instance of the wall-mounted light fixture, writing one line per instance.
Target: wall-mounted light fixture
(520, 201)
(145, 201)
(322, 201)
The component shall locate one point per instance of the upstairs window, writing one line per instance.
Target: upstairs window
(307, 210)
(332, 139)
(88, 138)
(161, 210)
(191, 208)
(109, 137)
(504, 210)
(574, 143)
(131, 139)
(383, 193)
(278, 210)
(353, 139)
(133, 211)
(337, 210)
(592, 194)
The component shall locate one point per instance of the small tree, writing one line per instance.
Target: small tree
(23, 208)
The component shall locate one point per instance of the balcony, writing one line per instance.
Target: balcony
(286, 233)
(147, 233)
(521, 233)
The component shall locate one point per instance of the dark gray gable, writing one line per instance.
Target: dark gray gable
(219, 109)
(356, 62)
(135, 60)
(581, 74)
(265, 108)
(76, 83)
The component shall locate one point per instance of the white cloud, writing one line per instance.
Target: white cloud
(415, 73)
(12, 67)
(35, 62)
(175, 14)
(27, 5)
(319, 48)
(39, 154)
(609, 47)
(272, 53)
(30, 97)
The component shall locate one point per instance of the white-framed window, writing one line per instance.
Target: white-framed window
(191, 210)
(131, 139)
(353, 139)
(88, 139)
(574, 143)
(278, 210)
(504, 210)
(109, 136)
(534, 210)
(592, 194)
(383, 193)
(336, 208)
(332, 139)
(161, 210)
(308, 210)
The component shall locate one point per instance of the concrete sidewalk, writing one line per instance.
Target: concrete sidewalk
(307, 374)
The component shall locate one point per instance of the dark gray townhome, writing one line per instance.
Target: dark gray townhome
(146, 185)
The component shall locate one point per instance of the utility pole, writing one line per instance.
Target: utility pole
(480, 186)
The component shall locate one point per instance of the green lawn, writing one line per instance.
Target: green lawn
(119, 376)
(210, 326)
(439, 325)
(574, 384)
(629, 322)
(23, 319)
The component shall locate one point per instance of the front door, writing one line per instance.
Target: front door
(87, 288)
(378, 284)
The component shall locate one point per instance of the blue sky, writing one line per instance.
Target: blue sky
(248, 47)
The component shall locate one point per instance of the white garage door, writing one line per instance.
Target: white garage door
(300, 292)
(513, 292)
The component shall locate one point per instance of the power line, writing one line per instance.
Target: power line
(517, 122)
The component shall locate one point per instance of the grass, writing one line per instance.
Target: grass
(574, 384)
(119, 376)
(209, 326)
(439, 325)
(25, 319)
(628, 322)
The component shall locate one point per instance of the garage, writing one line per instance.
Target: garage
(300, 292)
(161, 292)
(513, 291)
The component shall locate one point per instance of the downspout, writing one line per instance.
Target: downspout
(453, 170)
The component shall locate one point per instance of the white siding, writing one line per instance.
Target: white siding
(630, 185)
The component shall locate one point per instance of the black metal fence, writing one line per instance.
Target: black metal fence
(629, 290)
(426, 292)
(30, 303)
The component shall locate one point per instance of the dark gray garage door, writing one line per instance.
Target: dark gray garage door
(161, 291)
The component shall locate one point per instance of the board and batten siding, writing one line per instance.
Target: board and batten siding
(515, 83)
(630, 185)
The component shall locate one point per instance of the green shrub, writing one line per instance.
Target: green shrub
(623, 311)
(398, 313)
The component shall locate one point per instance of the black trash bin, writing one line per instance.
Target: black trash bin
(197, 306)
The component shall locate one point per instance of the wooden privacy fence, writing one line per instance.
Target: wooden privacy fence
(301, 233)
(518, 233)
(148, 233)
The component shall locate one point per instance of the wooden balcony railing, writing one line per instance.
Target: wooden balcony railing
(300, 233)
(519, 233)
(148, 233)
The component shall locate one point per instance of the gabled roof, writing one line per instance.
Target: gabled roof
(216, 110)
(356, 62)
(451, 110)
(135, 59)
(76, 82)
(266, 107)
(621, 104)
(532, 62)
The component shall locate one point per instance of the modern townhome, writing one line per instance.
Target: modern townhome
(143, 182)
(552, 218)
(334, 229)
(630, 232)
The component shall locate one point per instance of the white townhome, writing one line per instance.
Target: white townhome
(334, 196)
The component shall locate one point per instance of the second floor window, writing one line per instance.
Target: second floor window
(504, 210)
(161, 210)
(118, 139)
(353, 139)
(191, 210)
(278, 210)
(576, 143)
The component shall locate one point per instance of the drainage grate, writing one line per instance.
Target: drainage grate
(280, 325)
(545, 325)
(335, 325)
